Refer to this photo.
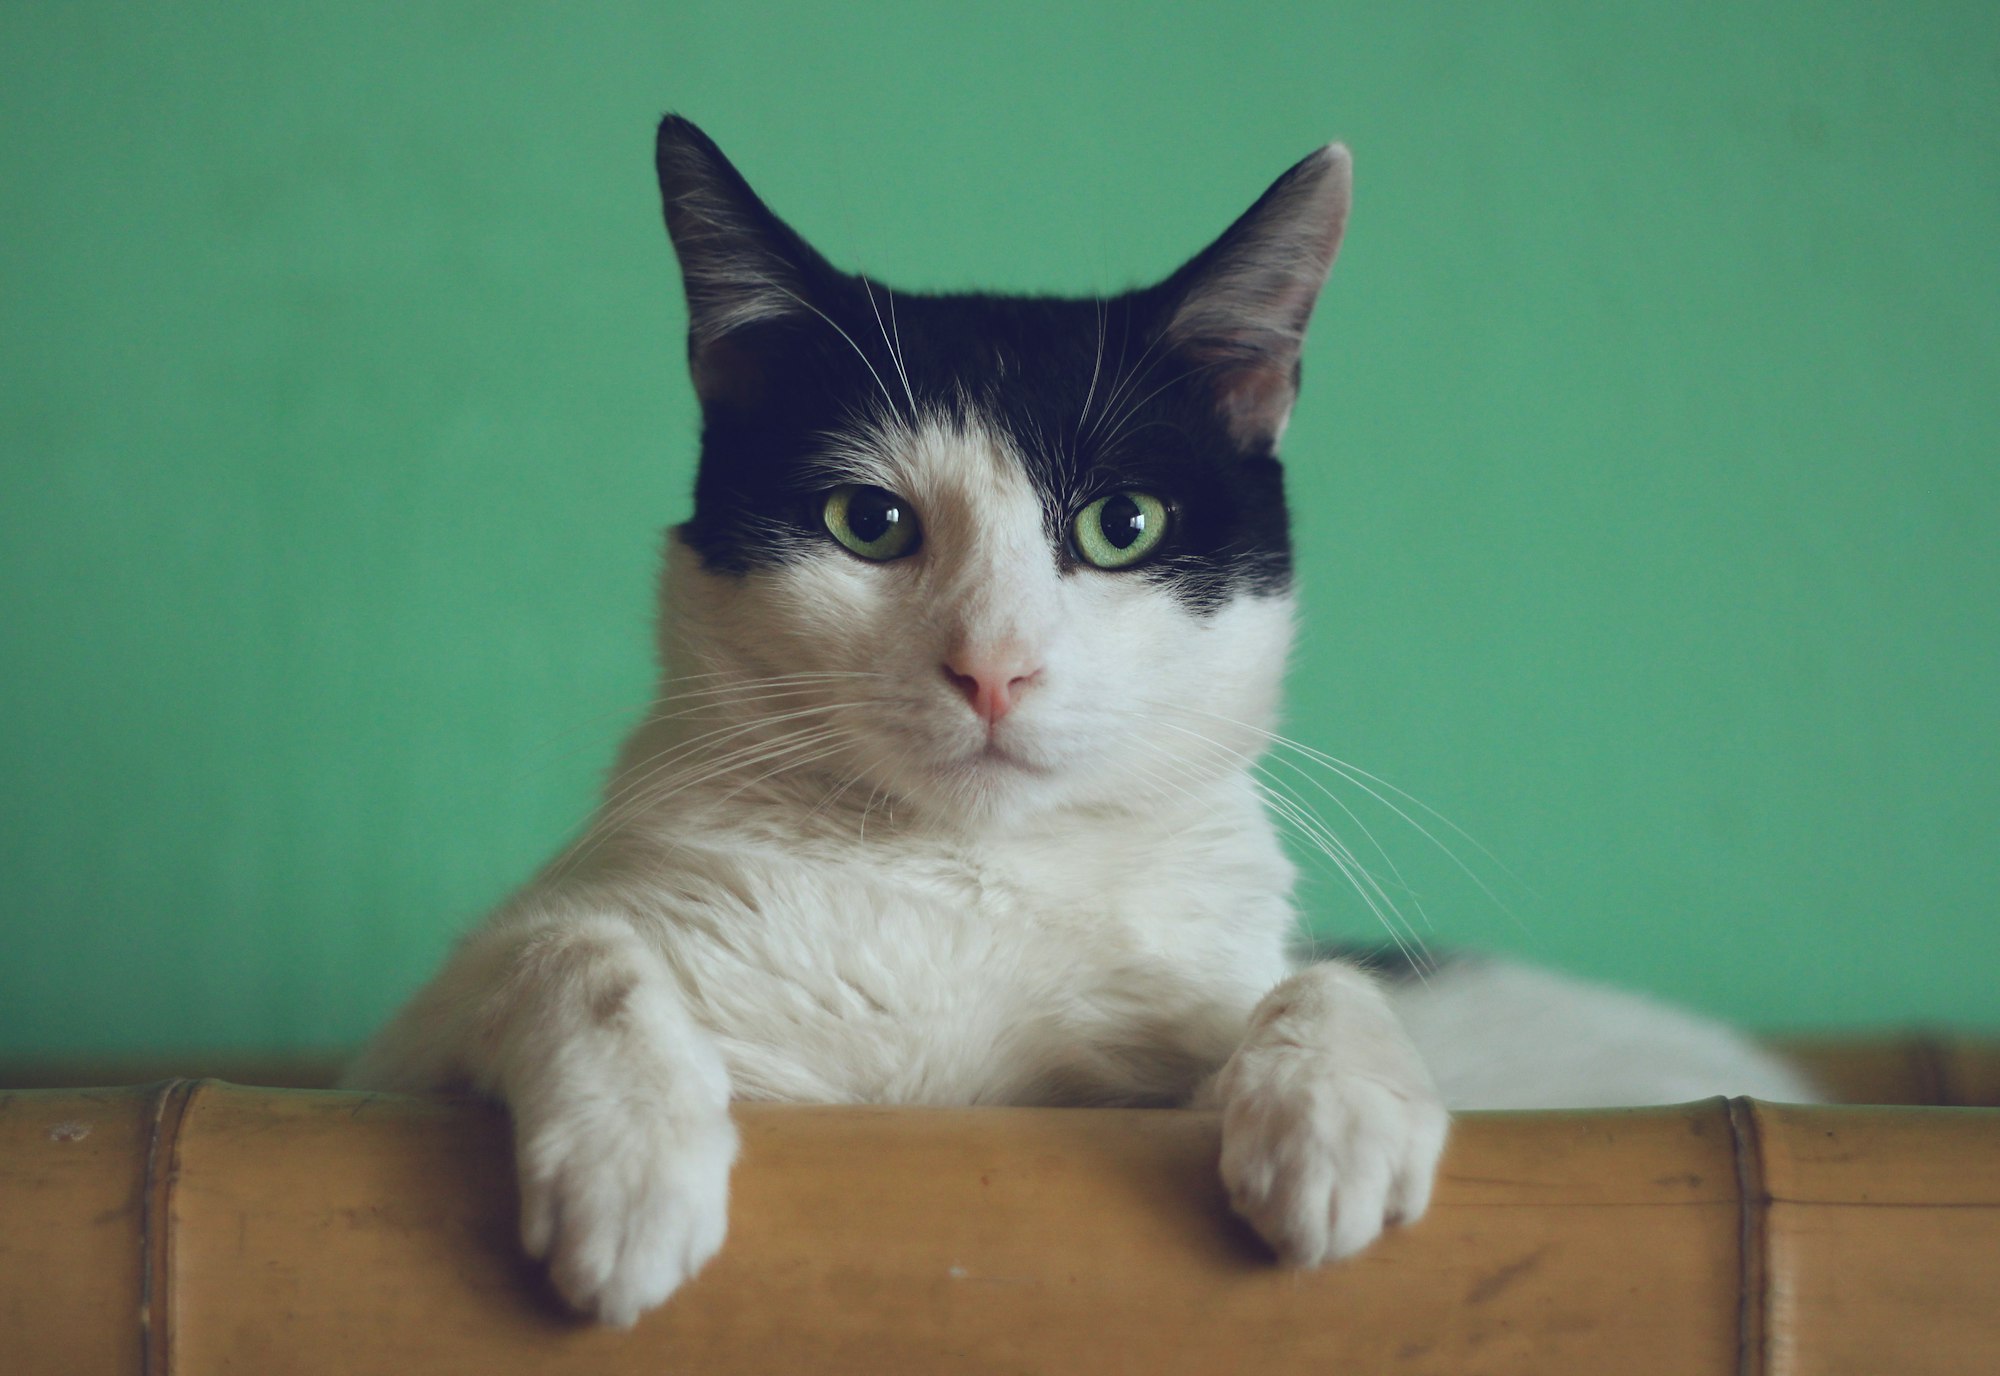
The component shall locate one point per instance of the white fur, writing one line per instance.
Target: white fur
(817, 877)
(1331, 1126)
(1501, 1035)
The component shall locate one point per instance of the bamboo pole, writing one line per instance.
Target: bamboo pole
(203, 1227)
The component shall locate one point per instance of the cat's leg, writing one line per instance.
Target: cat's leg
(1331, 1127)
(620, 1102)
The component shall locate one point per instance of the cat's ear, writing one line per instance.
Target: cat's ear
(742, 266)
(1238, 310)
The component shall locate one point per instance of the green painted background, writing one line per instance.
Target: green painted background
(1645, 474)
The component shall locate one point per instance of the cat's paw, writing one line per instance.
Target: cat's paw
(1319, 1157)
(625, 1203)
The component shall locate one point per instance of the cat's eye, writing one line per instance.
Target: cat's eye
(871, 521)
(1118, 531)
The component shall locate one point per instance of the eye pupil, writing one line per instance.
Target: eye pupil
(872, 513)
(1121, 530)
(872, 522)
(1122, 520)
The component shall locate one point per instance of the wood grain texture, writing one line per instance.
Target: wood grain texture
(72, 1172)
(1883, 1230)
(297, 1231)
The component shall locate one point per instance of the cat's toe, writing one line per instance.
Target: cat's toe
(625, 1221)
(1319, 1163)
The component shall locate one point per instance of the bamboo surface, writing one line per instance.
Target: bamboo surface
(206, 1227)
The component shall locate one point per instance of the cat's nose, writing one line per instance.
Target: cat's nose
(991, 684)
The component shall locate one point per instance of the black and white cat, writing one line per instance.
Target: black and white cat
(968, 648)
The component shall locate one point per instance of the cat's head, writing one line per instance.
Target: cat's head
(996, 553)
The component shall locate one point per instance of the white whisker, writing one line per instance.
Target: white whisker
(1097, 363)
(1356, 776)
(895, 355)
(776, 285)
(1315, 831)
(649, 788)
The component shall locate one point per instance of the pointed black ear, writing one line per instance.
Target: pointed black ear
(1239, 309)
(741, 264)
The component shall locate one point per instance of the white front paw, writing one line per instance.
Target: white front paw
(625, 1201)
(1319, 1157)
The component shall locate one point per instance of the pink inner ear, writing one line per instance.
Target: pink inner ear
(1246, 329)
(1255, 403)
(1249, 295)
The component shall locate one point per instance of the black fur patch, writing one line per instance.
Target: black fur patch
(1089, 392)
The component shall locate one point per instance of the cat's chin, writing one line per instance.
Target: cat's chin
(986, 783)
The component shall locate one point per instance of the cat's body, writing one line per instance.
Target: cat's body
(969, 647)
(852, 952)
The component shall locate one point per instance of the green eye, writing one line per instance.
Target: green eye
(1118, 531)
(872, 521)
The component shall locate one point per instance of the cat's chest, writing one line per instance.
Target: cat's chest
(1088, 966)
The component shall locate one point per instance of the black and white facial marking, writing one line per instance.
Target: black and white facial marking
(1177, 392)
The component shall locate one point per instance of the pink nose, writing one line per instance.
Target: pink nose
(990, 686)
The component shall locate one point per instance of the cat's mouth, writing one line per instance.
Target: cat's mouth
(992, 756)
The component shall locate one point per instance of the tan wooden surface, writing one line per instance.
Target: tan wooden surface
(289, 1231)
(72, 1171)
(1883, 1227)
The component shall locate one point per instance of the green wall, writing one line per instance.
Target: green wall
(1645, 473)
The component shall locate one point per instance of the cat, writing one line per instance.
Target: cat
(968, 646)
